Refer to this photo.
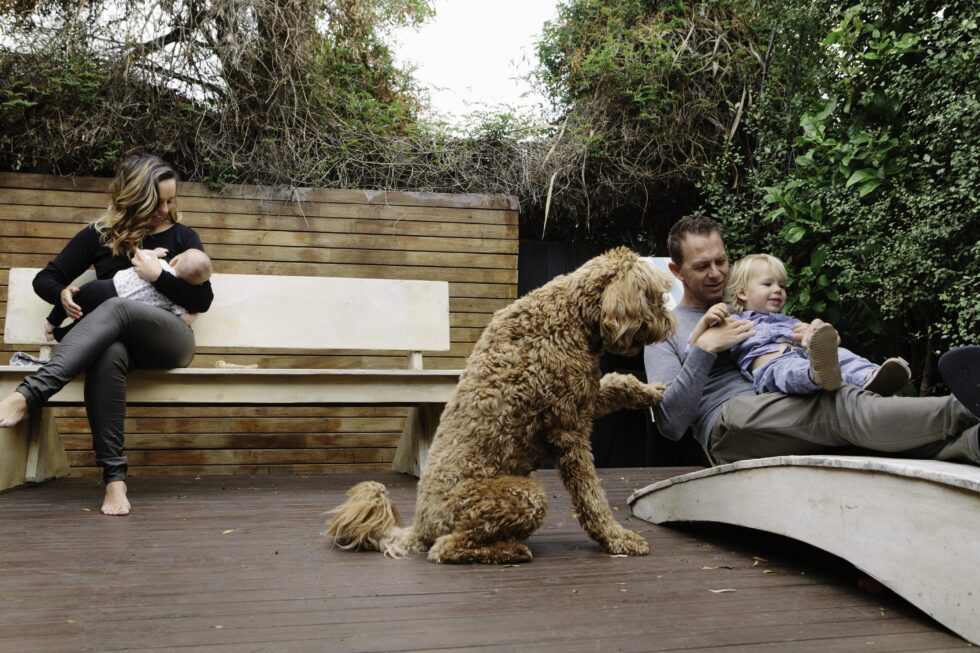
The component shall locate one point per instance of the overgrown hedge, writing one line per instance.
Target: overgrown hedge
(841, 136)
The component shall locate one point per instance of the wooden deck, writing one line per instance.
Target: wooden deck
(239, 564)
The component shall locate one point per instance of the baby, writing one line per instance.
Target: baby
(192, 266)
(773, 359)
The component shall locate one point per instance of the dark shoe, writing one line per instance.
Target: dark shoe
(960, 369)
(892, 376)
(824, 363)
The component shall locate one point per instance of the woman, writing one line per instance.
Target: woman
(120, 335)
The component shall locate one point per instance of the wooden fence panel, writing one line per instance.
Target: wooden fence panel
(470, 241)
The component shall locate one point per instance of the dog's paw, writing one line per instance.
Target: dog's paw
(626, 542)
(655, 392)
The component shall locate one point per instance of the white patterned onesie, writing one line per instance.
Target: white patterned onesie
(128, 284)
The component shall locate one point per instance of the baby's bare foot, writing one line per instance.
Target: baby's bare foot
(13, 409)
(115, 503)
(48, 332)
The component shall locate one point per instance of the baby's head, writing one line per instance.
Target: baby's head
(757, 283)
(192, 266)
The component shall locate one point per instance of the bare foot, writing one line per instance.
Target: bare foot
(115, 503)
(13, 409)
(48, 332)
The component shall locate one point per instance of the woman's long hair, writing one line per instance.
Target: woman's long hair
(134, 197)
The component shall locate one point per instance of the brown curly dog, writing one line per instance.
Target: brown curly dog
(529, 392)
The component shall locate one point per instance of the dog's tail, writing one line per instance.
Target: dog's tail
(369, 520)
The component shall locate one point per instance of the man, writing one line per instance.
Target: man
(707, 393)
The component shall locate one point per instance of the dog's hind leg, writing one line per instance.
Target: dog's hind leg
(456, 548)
(491, 518)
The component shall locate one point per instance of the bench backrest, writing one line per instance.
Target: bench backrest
(676, 290)
(285, 312)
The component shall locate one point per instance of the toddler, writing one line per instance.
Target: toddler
(773, 359)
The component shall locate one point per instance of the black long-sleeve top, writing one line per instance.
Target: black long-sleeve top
(86, 249)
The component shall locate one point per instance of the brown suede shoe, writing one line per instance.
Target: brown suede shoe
(824, 364)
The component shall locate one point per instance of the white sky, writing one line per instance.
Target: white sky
(471, 53)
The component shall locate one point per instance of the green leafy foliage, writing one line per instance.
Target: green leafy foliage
(867, 185)
(647, 94)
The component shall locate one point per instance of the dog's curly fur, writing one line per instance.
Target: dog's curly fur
(529, 392)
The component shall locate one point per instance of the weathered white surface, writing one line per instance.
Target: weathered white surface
(914, 525)
(32, 451)
(261, 386)
(265, 312)
(270, 312)
(677, 290)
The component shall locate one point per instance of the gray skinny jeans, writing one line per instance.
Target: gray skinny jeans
(774, 424)
(118, 336)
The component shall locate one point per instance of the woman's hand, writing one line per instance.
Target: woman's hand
(67, 296)
(147, 265)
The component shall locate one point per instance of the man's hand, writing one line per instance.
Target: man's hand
(725, 336)
(147, 265)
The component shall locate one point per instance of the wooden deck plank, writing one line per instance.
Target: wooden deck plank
(238, 564)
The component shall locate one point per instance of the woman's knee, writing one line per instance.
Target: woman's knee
(113, 360)
(113, 305)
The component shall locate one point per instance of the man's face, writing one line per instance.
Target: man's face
(704, 270)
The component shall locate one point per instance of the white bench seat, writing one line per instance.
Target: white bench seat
(913, 525)
(260, 312)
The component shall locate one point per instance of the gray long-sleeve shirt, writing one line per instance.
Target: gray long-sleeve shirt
(698, 384)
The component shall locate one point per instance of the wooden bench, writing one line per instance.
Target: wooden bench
(912, 525)
(262, 312)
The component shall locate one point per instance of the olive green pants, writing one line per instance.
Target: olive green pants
(774, 424)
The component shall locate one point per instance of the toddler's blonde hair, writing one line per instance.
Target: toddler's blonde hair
(746, 269)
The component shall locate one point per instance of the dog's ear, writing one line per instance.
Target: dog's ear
(633, 311)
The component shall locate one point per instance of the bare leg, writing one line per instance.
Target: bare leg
(13, 409)
(115, 503)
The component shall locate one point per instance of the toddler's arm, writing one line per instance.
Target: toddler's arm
(715, 315)
(160, 252)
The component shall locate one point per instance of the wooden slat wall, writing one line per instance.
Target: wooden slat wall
(468, 240)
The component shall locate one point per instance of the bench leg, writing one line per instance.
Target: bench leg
(413, 448)
(31, 452)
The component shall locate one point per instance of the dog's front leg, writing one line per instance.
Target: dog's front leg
(577, 469)
(617, 391)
